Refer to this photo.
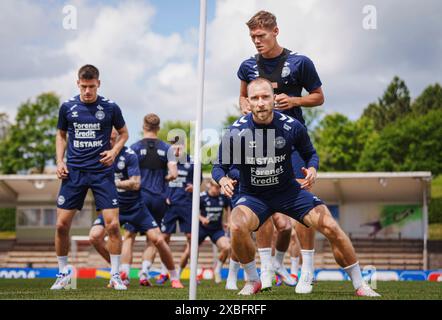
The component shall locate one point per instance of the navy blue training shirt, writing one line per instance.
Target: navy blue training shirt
(176, 188)
(212, 208)
(89, 127)
(126, 166)
(152, 158)
(262, 153)
(298, 72)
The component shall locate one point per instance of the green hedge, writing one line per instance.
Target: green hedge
(435, 210)
(7, 219)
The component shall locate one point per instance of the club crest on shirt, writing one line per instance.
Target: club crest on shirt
(285, 72)
(279, 142)
(74, 114)
(121, 164)
(100, 115)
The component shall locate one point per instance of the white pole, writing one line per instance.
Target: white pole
(197, 157)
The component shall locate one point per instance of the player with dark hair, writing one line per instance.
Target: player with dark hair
(84, 127)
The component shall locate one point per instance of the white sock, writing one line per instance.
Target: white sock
(146, 266)
(250, 270)
(355, 274)
(233, 269)
(295, 265)
(174, 275)
(164, 270)
(265, 254)
(179, 270)
(62, 263)
(125, 268)
(218, 265)
(307, 261)
(115, 263)
(279, 257)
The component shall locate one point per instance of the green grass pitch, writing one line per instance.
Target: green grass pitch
(323, 290)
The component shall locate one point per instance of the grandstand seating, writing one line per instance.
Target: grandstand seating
(383, 254)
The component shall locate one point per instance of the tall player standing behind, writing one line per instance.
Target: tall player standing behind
(84, 126)
(157, 166)
(289, 73)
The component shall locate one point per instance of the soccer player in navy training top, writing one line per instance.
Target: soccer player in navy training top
(260, 144)
(158, 166)
(134, 217)
(179, 200)
(213, 205)
(290, 73)
(85, 124)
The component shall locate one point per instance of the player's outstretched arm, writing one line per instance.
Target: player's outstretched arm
(243, 103)
(131, 184)
(173, 171)
(60, 148)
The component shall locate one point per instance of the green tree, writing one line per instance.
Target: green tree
(30, 142)
(394, 104)
(339, 141)
(410, 144)
(429, 99)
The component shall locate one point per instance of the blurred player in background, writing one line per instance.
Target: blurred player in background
(214, 220)
(84, 127)
(179, 200)
(134, 217)
(158, 166)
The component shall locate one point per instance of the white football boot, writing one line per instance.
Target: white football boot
(366, 291)
(305, 283)
(116, 282)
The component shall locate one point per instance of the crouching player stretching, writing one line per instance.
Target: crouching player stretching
(261, 144)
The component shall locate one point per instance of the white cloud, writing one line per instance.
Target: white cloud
(145, 71)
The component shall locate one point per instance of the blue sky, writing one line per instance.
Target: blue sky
(147, 51)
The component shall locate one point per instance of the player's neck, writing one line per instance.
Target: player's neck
(150, 135)
(89, 102)
(263, 122)
(274, 52)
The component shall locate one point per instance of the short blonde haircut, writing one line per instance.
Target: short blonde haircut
(262, 19)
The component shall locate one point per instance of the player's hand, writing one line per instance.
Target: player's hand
(204, 221)
(169, 177)
(107, 157)
(189, 188)
(227, 185)
(62, 170)
(284, 102)
(310, 178)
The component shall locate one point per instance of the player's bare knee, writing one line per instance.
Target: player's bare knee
(94, 239)
(113, 228)
(62, 228)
